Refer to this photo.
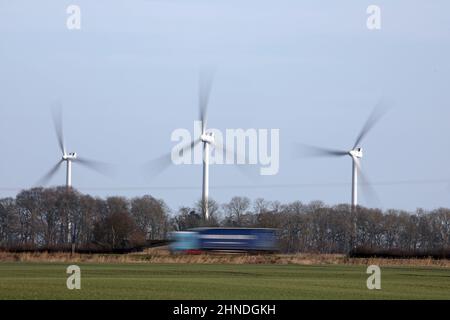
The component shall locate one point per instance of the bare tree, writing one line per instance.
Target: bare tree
(213, 207)
(236, 209)
(150, 216)
(186, 219)
(9, 224)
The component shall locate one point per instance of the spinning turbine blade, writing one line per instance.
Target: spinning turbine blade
(158, 165)
(58, 123)
(46, 178)
(377, 113)
(314, 151)
(246, 169)
(205, 85)
(100, 167)
(190, 146)
(369, 192)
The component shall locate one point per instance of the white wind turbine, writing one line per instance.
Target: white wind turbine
(68, 157)
(356, 153)
(206, 138)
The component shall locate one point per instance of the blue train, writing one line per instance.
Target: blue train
(224, 239)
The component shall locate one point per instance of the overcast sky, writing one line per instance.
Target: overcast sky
(312, 69)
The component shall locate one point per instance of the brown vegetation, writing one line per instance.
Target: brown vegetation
(163, 256)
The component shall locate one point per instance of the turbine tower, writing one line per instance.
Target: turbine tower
(356, 153)
(68, 157)
(205, 83)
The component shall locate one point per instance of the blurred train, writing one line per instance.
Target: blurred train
(224, 239)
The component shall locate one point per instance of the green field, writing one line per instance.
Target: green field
(201, 281)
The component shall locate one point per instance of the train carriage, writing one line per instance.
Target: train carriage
(225, 239)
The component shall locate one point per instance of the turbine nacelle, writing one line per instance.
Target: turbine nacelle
(356, 153)
(69, 156)
(207, 137)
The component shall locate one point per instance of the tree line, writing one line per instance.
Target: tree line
(58, 218)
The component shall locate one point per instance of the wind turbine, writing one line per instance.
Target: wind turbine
(68, 157)
(206, 139)
(356, 152)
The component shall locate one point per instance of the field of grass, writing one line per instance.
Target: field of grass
(20, 280)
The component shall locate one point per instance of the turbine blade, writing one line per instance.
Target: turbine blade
(98, 166)
(378, 112)
(305, 150)
(246, 169)
(204, 91)
(369, 193)
(46, 178)
(154, 167)
(58, 123)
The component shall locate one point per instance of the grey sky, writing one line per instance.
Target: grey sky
(312, 69)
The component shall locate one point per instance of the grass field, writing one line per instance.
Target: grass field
(19, 280)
